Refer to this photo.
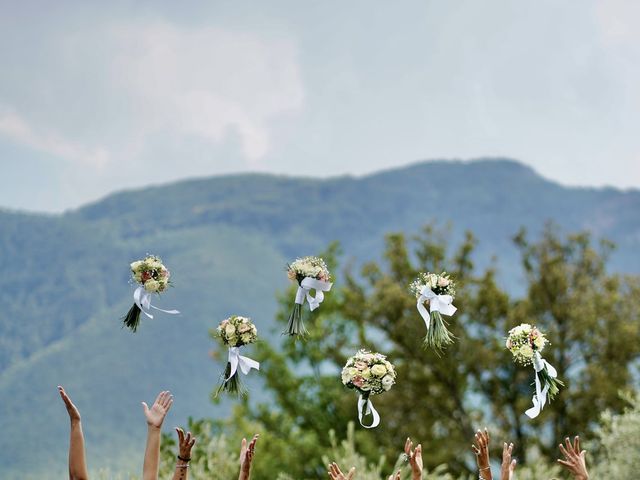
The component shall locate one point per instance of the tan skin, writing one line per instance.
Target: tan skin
(574, 458)
(155, 417)
(77, 461)
(415, 459)
(413, 455)
(247, 451)
(481, 449)
(185, 444)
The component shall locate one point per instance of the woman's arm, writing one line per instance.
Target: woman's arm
(574, 459)
(481, 449)
(77, 462)
(155, 416)
(185, 444)
(246, 456)
(415, 459)
(336, 474)
(508, 465)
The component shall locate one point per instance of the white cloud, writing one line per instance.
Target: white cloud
(18, 130)
(126, 85)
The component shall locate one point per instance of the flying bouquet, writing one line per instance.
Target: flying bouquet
(526, 343)
(153, 277)
(435, 292)
(236, 332)
(369, 374)
(311, 273)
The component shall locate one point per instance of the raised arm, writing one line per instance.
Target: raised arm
(246, 457)
(481, 449)
(336, 474)
(574, 458)
(508, 465)
(415, 459)
(155, 416)
(185, 444)
(77, 462)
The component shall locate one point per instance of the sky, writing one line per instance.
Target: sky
(97, 97)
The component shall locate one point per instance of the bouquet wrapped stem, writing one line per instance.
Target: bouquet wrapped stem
(438, 335)
(295, 325)
(232, 385)
(554, 383)
(132, 319)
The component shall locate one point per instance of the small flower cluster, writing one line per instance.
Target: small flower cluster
(523, 341)
(369, 373)
(151, 274)
(439, 284)
(311, 267)
(237, 331)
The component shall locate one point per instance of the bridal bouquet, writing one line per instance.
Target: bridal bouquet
(369, 374)
(437, 293)
(236, 332)
(153, 277)
(526, 342)
(311, 273)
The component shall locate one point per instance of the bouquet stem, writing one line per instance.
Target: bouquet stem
(295, 326)
(233, 386)
(132, 318)
(554, 383)
(438, 336)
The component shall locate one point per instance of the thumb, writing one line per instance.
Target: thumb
(145, 407)
(512, 467)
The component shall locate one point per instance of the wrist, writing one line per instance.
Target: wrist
(153, 428)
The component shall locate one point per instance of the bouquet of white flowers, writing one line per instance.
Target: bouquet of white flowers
(236, 332)
(526, 343)
(153, 277)
(311, 273)
(369, 374)
(436, 292)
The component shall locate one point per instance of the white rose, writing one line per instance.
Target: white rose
(136, 265)
(378, 370)
(387, 382)
(152, 286)
(230, 330)
(246, 337)
(526, 351)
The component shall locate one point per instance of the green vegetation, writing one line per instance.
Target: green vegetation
(64, 288)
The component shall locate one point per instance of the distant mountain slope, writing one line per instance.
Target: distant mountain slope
(63, 282)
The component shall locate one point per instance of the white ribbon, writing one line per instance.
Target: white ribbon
(143, 301)
(437, 303)
(540, 398)
(367, 406)
(304, 290)
(236, 360)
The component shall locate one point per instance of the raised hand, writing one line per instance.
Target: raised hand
(481, 449)
(396, 476)
(574, 459)
(185, 444)
(246, 456)
(155, 415)
(336, 474)
(77, 461)
(508, 465)
(72, 410)
(415, 459)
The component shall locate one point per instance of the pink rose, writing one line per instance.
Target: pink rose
(443, 282)
(361, 365)
(358, 381)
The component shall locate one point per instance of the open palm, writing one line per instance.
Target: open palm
(155, 415)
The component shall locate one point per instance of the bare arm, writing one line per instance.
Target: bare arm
(246, 457)
(574, 459)
(155, 416)
(415, 459)
(481, 449)
(336, 474)
(185, 443)
(508, 465)
(77, 461)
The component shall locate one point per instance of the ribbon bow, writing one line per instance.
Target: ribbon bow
(236, 360)
(364, 404)
(304, 290)
(540, 397)
(437, 303)
(142, 298)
